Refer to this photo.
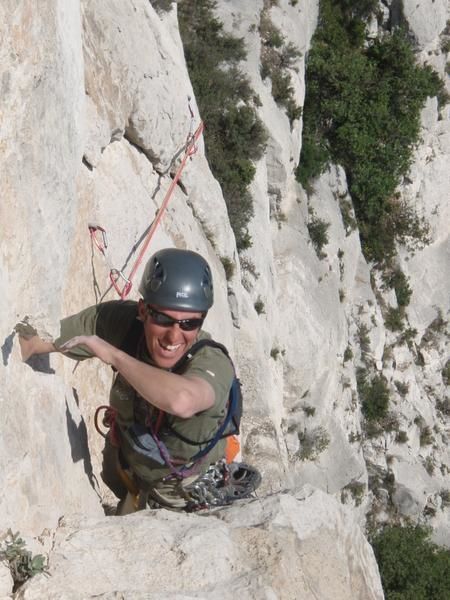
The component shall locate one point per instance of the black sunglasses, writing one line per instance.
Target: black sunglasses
(163, 320)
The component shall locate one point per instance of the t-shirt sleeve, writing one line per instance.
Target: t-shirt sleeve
(109, 320)
(212, 365)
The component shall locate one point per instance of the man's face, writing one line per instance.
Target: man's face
(167, 343)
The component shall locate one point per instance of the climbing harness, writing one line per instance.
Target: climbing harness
(98, 233)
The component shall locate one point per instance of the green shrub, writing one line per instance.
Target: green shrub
(356, 490)
(162, 5)
(401, 437)
(309, 411)
(312, 443)
(411, 566)
(397, 280)
(394, 319)
(228, 266)
(445, 45)
(22, 564)
(274, 353)
(444, 406)
(446, 373)
(348, 354)
(318, 232)
(402, 388)
(374, 395)
(429, 465)
(364, 338)
(362, 110)
(426, 436)
(407, 336)
(234, 135)
(259, 306)
(277, 57)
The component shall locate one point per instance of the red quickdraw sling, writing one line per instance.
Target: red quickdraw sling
(98, 233)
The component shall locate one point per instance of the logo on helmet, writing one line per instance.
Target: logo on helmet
(181, 295)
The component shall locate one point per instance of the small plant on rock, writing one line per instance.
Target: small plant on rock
(348, 354)
(364, 338)
(228, 266)
(402, 388)
(22, 564)
(312, 443)
(259, 306)
(318, 232)
(446, 373)
(394, 319)
(356, 490)
(426, 436)
(309, 410)
(274, 353)
(401, 437)
(374, 395)
(397, 280)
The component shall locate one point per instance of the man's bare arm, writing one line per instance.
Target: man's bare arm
(34, 345)
(179, 395)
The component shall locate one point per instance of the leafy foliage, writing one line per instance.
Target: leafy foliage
(277, 57)
(374, 395)
(312, 443)
(318, 232)
(396, 279)
(234, 135)
(362, 110)
(259, 306)
(22, 563)
(411, 566)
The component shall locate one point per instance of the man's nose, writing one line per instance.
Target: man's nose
(173, 331)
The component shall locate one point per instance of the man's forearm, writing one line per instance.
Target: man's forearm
(35, 345)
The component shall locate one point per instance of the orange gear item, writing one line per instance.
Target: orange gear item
(232, 448)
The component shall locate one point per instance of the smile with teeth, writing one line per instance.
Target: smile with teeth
(169, 347)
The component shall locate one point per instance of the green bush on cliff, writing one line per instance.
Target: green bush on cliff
(411, 566)
(362, 110)
(234, 135)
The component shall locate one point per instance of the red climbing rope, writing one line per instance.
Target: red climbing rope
(115, 275)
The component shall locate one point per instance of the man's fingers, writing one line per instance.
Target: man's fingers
(25, 330)
(76, 341)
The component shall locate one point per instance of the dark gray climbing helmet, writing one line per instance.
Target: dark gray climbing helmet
(177, 280)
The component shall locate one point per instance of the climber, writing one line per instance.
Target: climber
(167, 406)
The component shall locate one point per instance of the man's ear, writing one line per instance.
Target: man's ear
(142, 310)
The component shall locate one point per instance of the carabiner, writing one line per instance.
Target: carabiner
(103, 244)
(114, 276)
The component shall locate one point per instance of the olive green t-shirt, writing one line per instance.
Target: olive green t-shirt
(112, 321)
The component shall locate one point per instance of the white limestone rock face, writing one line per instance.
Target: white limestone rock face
(42, 124)
(66, 163)
(422, 473)
(427, 19)
(135, 79)
(6, 581)
(45, 469)
(279, 547)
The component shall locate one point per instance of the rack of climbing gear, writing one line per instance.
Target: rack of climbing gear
(121, 283)
(222, 484)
